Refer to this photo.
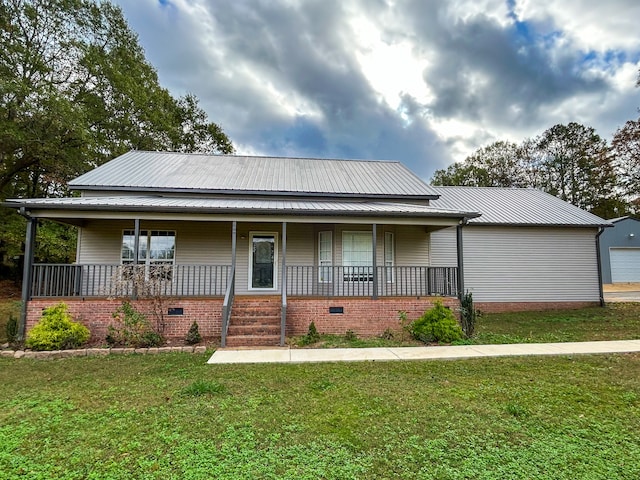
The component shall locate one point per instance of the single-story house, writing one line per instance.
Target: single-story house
(255, 248)
(620, 251)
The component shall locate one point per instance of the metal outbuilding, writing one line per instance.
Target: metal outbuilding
(620, 251)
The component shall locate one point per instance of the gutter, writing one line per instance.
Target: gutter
(598, 259)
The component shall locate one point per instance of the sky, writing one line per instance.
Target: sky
(424, 82)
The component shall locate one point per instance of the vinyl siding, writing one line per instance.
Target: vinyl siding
(524, 264)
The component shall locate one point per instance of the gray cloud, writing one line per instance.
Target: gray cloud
(284, 78)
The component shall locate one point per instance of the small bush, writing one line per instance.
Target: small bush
(12, 329)
(312, 335)
(438, 324)
(132, 329)
(388, 334)
(468, 315)
(193, 335)
(350, 335)
(56, 330)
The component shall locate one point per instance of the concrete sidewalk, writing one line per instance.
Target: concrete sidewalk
(305, 355)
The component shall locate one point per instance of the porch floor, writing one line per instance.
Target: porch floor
(307, 355)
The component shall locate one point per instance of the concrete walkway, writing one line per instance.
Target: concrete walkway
(305, 355)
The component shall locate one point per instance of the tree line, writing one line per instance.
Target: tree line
(569, 161)
(76, 90)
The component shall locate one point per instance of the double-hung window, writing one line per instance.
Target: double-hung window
(325, 257)
(357, 256)
(156, 251)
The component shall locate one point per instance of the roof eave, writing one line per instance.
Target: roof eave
(123, 188)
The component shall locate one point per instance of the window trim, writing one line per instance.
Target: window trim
(323, 264)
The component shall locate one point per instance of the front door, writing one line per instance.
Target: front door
(263, 261)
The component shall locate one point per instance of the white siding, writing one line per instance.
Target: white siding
(524, 264)
(197, 243)
(412, 246)
(443, 250)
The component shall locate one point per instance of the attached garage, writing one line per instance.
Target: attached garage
(625, 264)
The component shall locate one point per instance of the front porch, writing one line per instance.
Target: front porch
(365, 300)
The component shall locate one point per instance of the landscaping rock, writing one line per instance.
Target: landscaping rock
(143, 351)
(78, 353)
(153, 350)
(7, 353)
(164, 350)
(187, 349)
(29, 354)
(94, 352)
(18, 354)
(200, 349)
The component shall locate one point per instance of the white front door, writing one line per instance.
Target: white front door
(263, 261)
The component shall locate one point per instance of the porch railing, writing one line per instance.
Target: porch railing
(100, 280)
(341, 281)
(227, 305)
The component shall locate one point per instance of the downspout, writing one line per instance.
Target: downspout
(600, 288)
(460, 249)
(32, 225)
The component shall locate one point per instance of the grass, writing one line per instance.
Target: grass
(616, 321)
(172, 416)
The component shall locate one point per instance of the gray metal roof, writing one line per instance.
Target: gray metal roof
(514, 206)
(182, 172)
(236, 205)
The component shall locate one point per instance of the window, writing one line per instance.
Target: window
(388, 256)
(325, 257)
(156, 251)
(357, 256)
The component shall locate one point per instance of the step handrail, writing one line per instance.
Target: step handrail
(227, 305)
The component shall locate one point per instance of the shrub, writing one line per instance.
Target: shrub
(312, 335)
(468, 315)
(56, 330)
(12, 329)
(132, 329)
(193, 335)
(350, 335)
(438, 324)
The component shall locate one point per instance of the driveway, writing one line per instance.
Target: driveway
(622, 292)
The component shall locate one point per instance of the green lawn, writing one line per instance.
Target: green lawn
(616, 321)
(172, 416)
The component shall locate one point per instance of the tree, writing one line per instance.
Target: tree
(569, 161)
(496, 165)
(626, 150)
(76, 90)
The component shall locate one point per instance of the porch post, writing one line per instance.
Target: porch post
(460, 250)
(234, 235)
(374, 231)
(32, 226)
(136, 255)
(283, 285)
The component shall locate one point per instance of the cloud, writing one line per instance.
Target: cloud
(424, 82)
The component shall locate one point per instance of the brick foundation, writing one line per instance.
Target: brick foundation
(364, 316)
(96, 314)
(498, 307)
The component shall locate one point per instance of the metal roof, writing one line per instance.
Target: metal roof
(514, 206)
(236, 205)
(183, 172)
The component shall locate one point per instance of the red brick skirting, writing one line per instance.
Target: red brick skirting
(364, 316)
(97, 313)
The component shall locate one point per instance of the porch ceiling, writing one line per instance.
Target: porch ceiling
(211, 208)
